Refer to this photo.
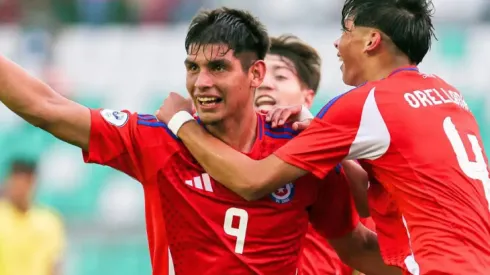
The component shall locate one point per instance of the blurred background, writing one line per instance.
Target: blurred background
(128, 54)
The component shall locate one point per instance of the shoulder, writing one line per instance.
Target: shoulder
(47, 213)
(48, 217)
(138, 125)
(279, 133)
(150, 122)
(3, 206)
(352, 99)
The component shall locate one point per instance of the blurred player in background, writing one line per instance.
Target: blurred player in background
(210, 230)
(31, 237)
(292, 77)
(412, 131)
(293, 74)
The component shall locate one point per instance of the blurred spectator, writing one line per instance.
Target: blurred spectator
(37, 14)
(104, 11)
(154, 11)
(31, 237)
(65, 11)
(9, 11)
(185, 10)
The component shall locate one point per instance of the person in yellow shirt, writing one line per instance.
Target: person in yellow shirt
(31, 237)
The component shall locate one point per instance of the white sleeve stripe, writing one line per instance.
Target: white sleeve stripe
(373, 138)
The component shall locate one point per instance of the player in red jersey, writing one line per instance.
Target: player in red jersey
(412, 131)
(210, 230)
(292, 77)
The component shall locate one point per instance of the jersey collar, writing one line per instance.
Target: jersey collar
(404, 69)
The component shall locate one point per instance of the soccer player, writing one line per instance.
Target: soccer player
(210, 230)
(412, 131)
(32, 238)
(292, 77)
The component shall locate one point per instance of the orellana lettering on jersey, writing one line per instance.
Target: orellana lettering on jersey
(431, 97)
(284, 194)
(115, 118)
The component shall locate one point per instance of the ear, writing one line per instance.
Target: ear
(373, 40)
(309, 96)
(257, 72)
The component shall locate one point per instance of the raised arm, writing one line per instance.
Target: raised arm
(251, 179)
(42, 107)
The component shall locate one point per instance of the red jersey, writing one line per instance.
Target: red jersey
(318, 257)
(211, 230)
(415, 136)
(391, 231)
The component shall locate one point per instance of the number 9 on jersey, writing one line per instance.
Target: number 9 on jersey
(239, 232)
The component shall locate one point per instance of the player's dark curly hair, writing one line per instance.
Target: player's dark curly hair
(237, 29)
(304, 57)
(408, 23)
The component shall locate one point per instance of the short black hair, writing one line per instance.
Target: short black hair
(408, 23)
(238, 29)
(23, 166)
(304, 57)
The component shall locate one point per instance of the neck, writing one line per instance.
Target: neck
(238, 131)
(383, 67)
(20, 207)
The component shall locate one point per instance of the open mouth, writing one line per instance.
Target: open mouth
(264, 100)
(340, 60)
(209, 101)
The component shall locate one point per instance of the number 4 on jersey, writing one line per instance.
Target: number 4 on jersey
(476, 170)
(239, 232)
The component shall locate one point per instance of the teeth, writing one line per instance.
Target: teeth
(207, 99)
(265, 101)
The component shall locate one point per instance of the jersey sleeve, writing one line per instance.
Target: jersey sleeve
(333, 214)
(350, 126)
(131, 143)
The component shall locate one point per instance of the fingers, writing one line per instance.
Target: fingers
(280, 117)
(270, 113)
(156, 114)
(301, 125)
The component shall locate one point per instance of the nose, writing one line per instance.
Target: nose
(336, 44)
(267, 84)
(203, 80)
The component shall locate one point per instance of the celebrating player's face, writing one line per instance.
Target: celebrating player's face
(281, 85)
(350, 48)
(217, 83)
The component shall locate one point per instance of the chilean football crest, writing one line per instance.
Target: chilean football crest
(284, 194)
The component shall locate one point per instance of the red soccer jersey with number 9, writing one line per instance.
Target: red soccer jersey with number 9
(415, 136)
(211, 230)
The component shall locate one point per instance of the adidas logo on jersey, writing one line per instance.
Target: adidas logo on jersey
(202, 182)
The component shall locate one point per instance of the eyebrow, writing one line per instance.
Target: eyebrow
(284, 67)
(188, 62)
(220, 61)
(213, 62)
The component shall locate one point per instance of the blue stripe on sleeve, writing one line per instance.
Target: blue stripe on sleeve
(158, 125)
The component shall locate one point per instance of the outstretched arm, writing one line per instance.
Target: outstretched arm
(251, 179)
(339, 132)
(42, 107)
